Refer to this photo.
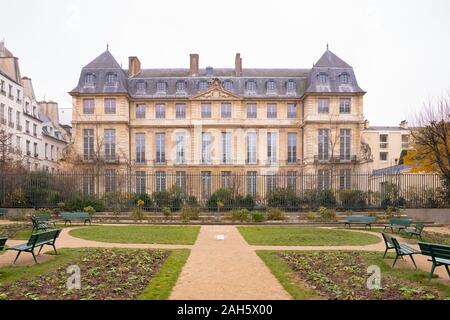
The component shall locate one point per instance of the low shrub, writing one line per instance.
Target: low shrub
(353, 198)
(313, 199)
(166, 212)
(241, 215)
(78, 203)
(310, 216)
(172, 199)
(258, 216)
(275, 214)
(192, 201)
(247, 202)
(188, 214)
(327, 215)
(134, 197)
(283, 198)
(90, 210)
(220, 199)
(43, 211)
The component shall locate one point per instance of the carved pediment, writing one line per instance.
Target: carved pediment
(216, 92)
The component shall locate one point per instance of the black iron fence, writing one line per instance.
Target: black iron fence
(294, 192)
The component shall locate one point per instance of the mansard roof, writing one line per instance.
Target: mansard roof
(304, 79)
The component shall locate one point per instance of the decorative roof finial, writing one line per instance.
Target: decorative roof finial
(107, 46)
(327, 47)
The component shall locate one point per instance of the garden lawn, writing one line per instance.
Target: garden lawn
(20, 231)
(105, 274)
(139, 234)
(302, 236)
(343, 275)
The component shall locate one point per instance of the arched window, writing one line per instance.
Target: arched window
(228, 85)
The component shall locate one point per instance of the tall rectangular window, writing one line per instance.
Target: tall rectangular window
(160, 148)
(140, 148)
(251, 148)
(323, 105)
(88, 184)
(141, 182)
(180, 139)
(2, 114)
(323, 179)
(18, 126)
(226, 110)
(180, 111)
(292, 147)
(110, 180)
(140, 111)
(345, 142)
(110, 144)
(251, 183)
(226, 147)
(160, 110)
(271, 182)
(251, 111)
(180, 181)
(225, 179)
(206, 110)
(271, 147)
(323, 144)
(344, 178)
(160, 182)
(271, 111)
(344, 105)
(206, 184)
(88, 106)
(206, 147)
(291, 180)
(291, 110)
(110, 106)
(88, 144)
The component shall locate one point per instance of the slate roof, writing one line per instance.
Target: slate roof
(386, 128)
(303, 78)
(400, 168)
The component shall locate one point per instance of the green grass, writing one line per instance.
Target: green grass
(139, 234)
(286, 276)
(303, 236)
(161, 285)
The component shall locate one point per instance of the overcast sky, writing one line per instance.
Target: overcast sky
(400, 50)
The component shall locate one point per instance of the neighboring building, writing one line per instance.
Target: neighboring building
(387, 144)
(219, 121)
(20, 114)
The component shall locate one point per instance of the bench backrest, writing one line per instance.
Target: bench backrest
(42, 217)
(401, 222)
(43, 237)
(2, 243)
(360, 219)
(3, 211)
(435, 250)
(420, 227)
(388, 240)
(75, 215)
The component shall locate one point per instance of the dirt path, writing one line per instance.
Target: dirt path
(225, 269)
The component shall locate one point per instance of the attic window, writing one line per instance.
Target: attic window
(203, 85)
(89, 79)
(323, 78)
(141, 87)
(290, 86)
(251, 86)
(161, 87)
(228, 85)
(271, 86)
(111, 79)
(343, 78)
(181, 86)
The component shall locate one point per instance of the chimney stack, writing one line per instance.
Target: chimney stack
(194, 65)
(404, 124)
(238, 65)
(50, 109)
(134, 66)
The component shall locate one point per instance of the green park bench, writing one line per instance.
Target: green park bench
(362, 220)
(2, 243)
(41, 225)
(397, 223)
(3, 212)
(400, 249)
(37, 240)
(440, 255)
(71, 216)
(416, 231)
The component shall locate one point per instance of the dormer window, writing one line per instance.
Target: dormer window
(161, 87)
(344, 78)
(141, 87)
(290, 86)
(228, 85)
(251, 86)
(111, 79)
(181, 86)
(203, 85)
(89, 79)
(323, 78)
(271, 86)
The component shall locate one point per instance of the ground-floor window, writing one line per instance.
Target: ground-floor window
(110, 180)
(291, 180)
(180, 181)
(344, 179)
(160, 181)
(271, 182)
(225, 179)
(206, 184)
(323, 179)
(251, 183)
(140, 182)
(88, 184)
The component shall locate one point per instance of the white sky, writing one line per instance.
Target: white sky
(400, 50)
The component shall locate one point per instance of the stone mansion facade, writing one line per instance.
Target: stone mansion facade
(219, 121)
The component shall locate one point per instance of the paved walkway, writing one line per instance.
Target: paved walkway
(221, 269)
